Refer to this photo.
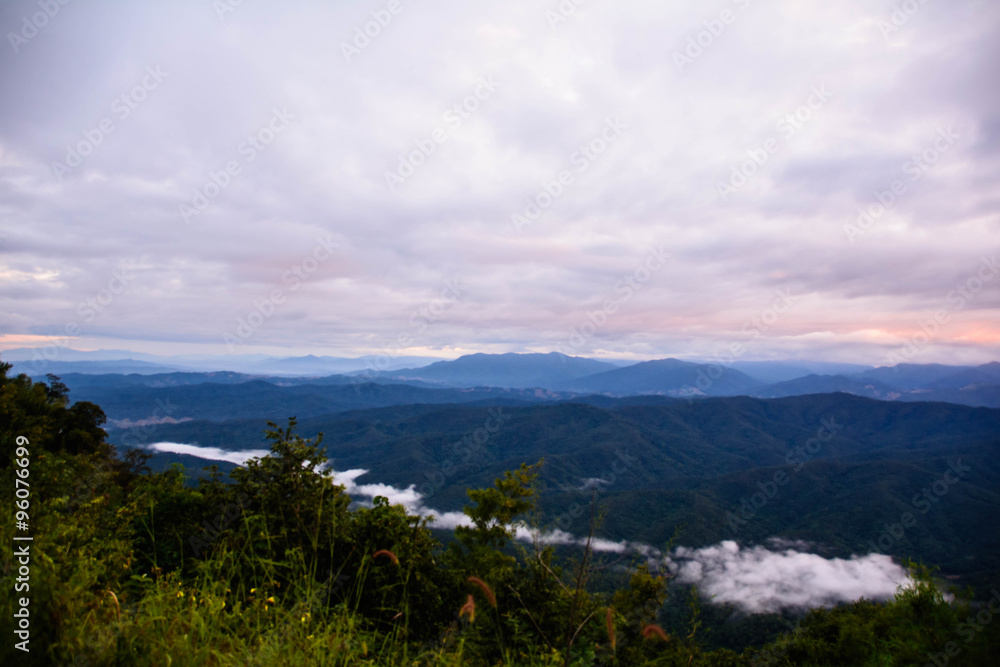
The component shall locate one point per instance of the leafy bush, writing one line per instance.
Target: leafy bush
(277, 567)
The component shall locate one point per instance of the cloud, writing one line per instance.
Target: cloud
(758, 580)
(408, 497)
(210, 453)
(754, 579)
(655, 185)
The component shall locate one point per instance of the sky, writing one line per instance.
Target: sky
(724, 179)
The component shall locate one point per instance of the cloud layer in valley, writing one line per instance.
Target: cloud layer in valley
(754, 579)
(759, 580)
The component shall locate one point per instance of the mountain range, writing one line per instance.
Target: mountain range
(696, 440)
(665, 468)
(60, 360)
(524, 378)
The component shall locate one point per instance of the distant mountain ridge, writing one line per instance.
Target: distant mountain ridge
(111, 366)
(825, 384)
(669, 377)
(980, 375)
(556, 376)
(687, 467)
(908, 377)
(509, 370)
(38, 362)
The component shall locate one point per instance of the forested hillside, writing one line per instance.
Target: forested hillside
(691, 466)
(276, 566)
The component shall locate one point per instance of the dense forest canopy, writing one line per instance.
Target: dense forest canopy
(275, 565)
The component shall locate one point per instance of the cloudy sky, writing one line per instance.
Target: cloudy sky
(630, 179)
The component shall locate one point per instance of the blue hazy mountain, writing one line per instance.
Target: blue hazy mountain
(323, 365)
(987, 374)
(62, 360)
(907, 377)
(556, 376)
(670, 377)
(116, 366)
(770, 372)
(683, 469)
(825, 384)
(505, 370)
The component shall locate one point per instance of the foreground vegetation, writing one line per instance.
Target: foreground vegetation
(675, 470)
(275, 567)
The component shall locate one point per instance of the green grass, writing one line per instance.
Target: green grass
(124, 573)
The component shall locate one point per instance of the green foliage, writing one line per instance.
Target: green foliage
(286, 501)
(918, 625)
(693, 465)
(131, 567)
(496, 509)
